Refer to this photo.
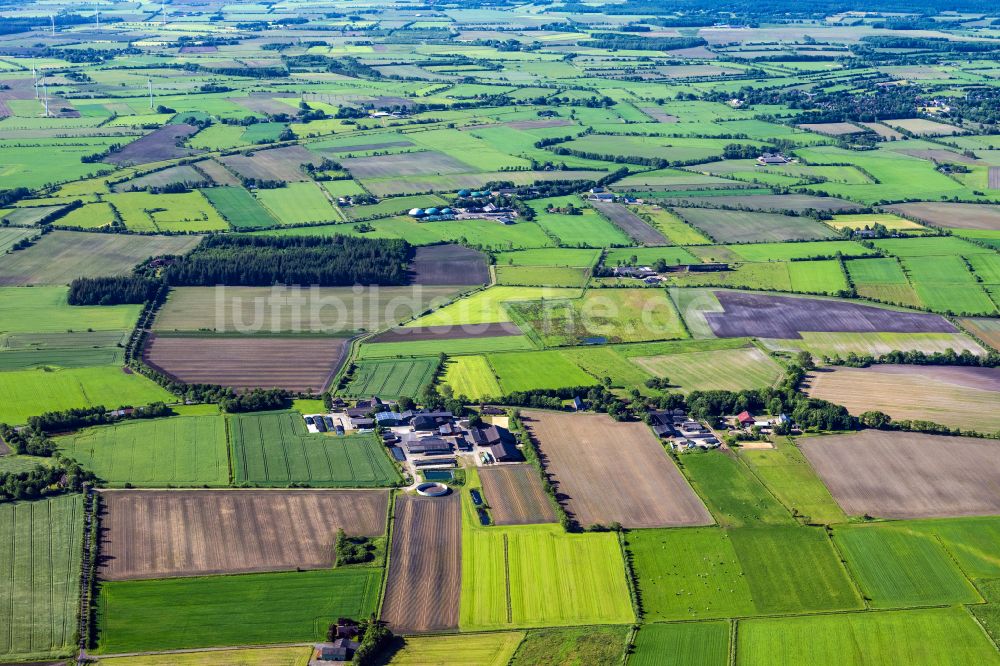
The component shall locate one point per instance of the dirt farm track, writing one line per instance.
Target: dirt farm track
(162, 533)
(607, 472)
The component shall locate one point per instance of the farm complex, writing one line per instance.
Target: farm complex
(499, 333)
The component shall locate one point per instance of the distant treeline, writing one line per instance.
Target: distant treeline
(261, 261)
(112, 290)
(632, 42)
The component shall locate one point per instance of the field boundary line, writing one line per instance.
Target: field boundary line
(229, 451)
(958, 565)
(982, 628)
(506, 574)
(733, 635)
(630, 578)
(390, 516)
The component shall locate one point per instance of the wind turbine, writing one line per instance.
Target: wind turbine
(150, 82)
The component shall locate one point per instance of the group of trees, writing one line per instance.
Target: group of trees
(43, 481)
(244, 260)
(353, 550)
(257, 400)
(112, 290)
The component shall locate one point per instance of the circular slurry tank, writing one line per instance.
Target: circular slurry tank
(433, 489)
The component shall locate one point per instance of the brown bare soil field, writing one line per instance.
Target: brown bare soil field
(987, 330)
(165, 533)
(606, 472)
(994, 178)
(516, 496)
(958, 397)
(246, 362)
(786, 317)
(923, 127)
(908, 475)
(831, 129)
(273, 164)
(361, 147)
(658, 114)
(273, 309)
(158, 145)
(415, 333)
(61, 256)
(448, 265)
(951, 215)
(268, 104)
(633, 225)
(183, 173)
(425, 567)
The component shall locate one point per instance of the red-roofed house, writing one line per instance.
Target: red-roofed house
(745, 418)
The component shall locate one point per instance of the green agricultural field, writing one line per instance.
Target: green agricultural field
(988, 614)
(701, 643)
(933, 246)
(275, 449)
(804, 250)
(537, 575)
(793, 570)
(487, 306)
(298, 203)
(576, 258)
(250, 609)
(25, 393)
(971, 542)
(80, 357)
(524, 371)
(586, 229)
(176, 451)
(790, 477)
(542, 276)
(646, 256)
(239, 208)
(186, 212)
(575, 645)
(492, 649)
(271, 656)
(896, 567)
(728, 369)
(472, 377)
(602, 315)
(687, 574)
(734, 495)
(419, 348)
(602, 361)
(671, 225)
(45, 310)
(931, 637)
(391, 379)
(40, 582)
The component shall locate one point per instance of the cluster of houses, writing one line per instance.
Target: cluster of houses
(604, 195)
(746, 422)
(681, 432)
(650, 275)
(773, 159)
(341, 648)
(422, 438)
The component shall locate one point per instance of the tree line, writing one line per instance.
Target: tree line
(112, 290)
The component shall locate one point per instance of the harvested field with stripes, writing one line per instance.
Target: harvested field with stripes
(515, 495)
(40, 551)
(165, 533)
(633, 225)
(958, 397)
(908, 475)
(609, 472)
(293, 363)
(425, 567)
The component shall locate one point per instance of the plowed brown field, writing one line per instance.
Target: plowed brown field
(908, 475)
(425, 566)
(293, 363)
(164, 533)
(516, 496)
(607, 472)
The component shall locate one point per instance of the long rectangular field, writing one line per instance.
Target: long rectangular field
(275, 449)
(607, 472)
(158, 534)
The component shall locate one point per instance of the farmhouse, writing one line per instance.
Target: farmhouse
(341, 649)
(745, 419)
(768, 159)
